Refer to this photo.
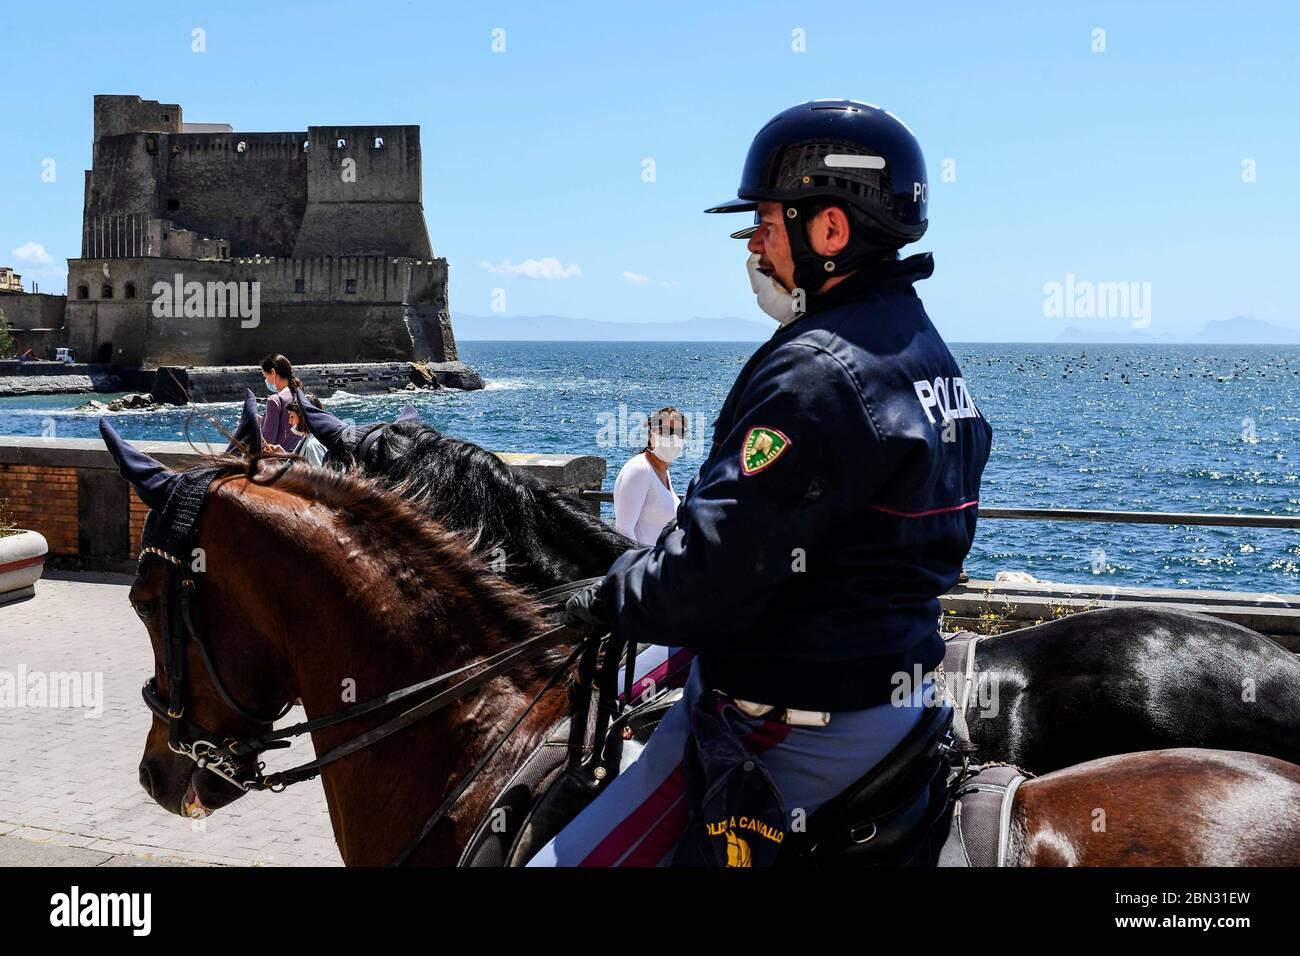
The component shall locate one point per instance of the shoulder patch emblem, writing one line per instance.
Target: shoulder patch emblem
(762, 447)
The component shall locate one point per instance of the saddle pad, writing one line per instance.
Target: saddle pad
(501, 826)
(981, 821)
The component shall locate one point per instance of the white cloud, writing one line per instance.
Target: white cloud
(669, 283)
(635, 278)
(535, 269)
(32, 253)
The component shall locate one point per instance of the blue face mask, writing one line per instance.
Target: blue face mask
(270, 386)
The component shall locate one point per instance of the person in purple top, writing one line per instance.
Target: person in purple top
(277, 373)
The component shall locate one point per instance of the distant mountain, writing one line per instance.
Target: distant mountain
(1238, 330)
(497, 328)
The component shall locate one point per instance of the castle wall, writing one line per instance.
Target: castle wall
(124, 181)
(349, 309)
(378, 212)
(116, 114)
(203, 182)
(33, 310)
(254, 198)
(35, 321)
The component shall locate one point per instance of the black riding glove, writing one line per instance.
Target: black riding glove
(586, 611)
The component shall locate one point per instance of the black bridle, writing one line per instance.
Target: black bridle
(235, 759)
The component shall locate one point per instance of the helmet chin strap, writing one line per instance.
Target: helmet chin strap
(812, 270)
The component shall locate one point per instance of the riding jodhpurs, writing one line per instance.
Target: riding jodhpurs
(639, 818)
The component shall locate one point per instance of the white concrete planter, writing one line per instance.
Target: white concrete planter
(22, 559)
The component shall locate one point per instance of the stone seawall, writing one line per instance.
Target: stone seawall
(61, 378)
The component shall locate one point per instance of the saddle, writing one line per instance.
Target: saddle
(920, 806)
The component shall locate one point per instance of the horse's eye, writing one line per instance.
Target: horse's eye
(145, 609)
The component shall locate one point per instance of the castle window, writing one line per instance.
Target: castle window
(130, 290)
(83, 292)
(299, 285)
(167, 118)
(173, 205)
(106, 292)
(350, 285)
(379, 142)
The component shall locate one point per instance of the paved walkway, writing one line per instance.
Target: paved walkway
(69, 792)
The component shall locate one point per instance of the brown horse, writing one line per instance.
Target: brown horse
(381, 598)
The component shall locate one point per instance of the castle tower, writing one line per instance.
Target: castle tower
(326, 226)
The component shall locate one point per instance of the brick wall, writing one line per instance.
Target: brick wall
(139, 511)
(42, 498)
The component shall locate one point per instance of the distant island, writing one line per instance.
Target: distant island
(558, 328)
(1238, 330)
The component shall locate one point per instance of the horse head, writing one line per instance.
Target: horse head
(290, 581)
(200, 648)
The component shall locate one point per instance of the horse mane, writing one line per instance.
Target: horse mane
(429, 562)
(464, 486)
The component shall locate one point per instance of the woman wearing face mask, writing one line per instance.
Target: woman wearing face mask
(277, 374)
(308, 446)
(644, 500)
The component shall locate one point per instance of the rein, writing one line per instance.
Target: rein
(228, 759)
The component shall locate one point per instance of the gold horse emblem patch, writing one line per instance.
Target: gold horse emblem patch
(762, 447)
(738, 852)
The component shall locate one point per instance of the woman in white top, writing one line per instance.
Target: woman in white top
(644, 500)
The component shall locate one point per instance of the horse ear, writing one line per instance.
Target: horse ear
(152, 480)
(249, 432)
(323, 426)
(408, 414)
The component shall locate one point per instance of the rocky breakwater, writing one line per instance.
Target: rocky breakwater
(176, 385)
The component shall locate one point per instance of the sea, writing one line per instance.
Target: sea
(1140, 428)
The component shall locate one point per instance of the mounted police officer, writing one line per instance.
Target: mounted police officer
(808, 555)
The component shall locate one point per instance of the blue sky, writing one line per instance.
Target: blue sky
(1119, 166)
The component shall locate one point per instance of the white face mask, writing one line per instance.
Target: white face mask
(297, 431)
(772, 297)
(668, 448)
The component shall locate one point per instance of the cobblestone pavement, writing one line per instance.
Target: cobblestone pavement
(69, 792)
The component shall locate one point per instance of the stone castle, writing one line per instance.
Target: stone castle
(329, 223)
